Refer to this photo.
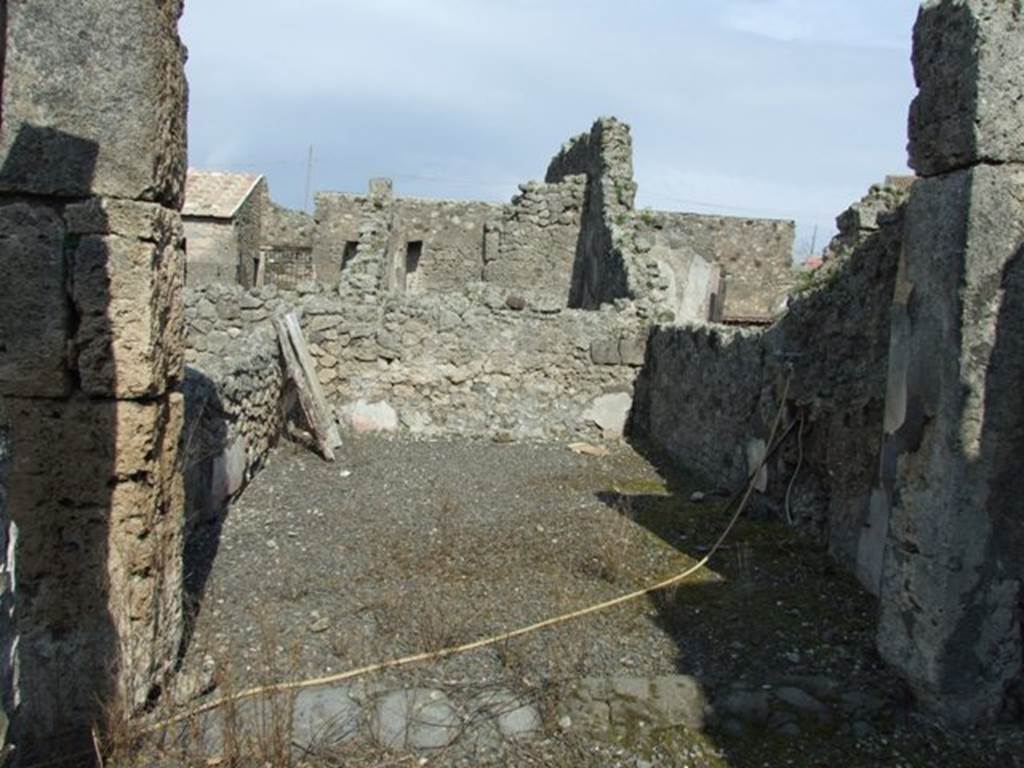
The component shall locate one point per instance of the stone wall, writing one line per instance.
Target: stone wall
(222, 250)
(755, 256)
(249, 232)
(286, 246)
(213, 255)
(952, 578)
(285, 228)
(605, 157)
(91, 271)
(234, 394)
(539, 238)
(8, 623)
(452, 238)
(352, 235)
(483, 363)
(708, 395)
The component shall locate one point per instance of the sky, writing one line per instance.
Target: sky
(773, 108)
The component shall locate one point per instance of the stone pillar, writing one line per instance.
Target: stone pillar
(953, 454)
(92, 166)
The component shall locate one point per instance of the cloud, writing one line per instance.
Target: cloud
(866, 23)
(458, 97)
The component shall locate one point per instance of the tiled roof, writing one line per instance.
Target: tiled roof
(217, 195)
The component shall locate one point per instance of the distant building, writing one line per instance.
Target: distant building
(223, 227)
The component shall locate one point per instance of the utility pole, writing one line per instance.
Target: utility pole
(309, 179)
(814, 242)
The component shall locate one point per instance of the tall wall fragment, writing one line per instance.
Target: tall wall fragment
(953, 453)
(92, 167)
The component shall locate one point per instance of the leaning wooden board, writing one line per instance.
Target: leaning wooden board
(302, 371)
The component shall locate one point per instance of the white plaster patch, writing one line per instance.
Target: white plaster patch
(610, 413)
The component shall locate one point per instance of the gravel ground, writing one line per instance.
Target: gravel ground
(406, 546)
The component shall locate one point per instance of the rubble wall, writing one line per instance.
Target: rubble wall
(605, 157)
(452, 234)
(484, 363)
(234, 395)
(709, 394)
(91, 273)
(539, 237)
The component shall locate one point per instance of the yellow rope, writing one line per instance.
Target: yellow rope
(476, 645)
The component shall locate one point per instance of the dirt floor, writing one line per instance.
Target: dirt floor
(408, 546)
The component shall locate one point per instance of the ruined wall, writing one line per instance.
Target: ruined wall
(454, 364)
(365, 222)
(249, 233)
(755, 256)
(91, 270)
(539, 238)
(708, 395)
(286, 245)
(285, 228)
(452, 234)
(234, 394)
(213, 254)
(952, 578)
(605, 157)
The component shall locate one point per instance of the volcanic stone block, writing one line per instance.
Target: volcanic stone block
(969, 65)
(112, 442)
(99, 545)
(952, 458)
(128, 296)
(34, 306)
(109, 216)
(94, 100)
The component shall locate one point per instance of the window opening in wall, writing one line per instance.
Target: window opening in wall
(413, 252)
(351, 247)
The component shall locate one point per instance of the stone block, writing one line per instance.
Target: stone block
(969, 66)
(99, 537)
(951, 577)
(34, 305)
(605, 352)
(633, 349)
(94, 100)
(130, 219)
(111, 442)
(127, 292)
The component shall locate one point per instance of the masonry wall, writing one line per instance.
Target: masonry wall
(952, 577)
(362, 221)
(234, 395)
(605, 157)
(538, 239)
(286, 245)
(452, 234)
(708, 396)
(755, 256)
(213, 252)
(91, 270)
(464, 364)
(249, 232)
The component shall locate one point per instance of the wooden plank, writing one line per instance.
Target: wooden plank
(261, 269)
(296, 374)
(309, 367)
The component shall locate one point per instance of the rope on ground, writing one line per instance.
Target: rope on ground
(476, 645)
(796, 472)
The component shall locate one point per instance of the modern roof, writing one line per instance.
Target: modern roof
(217, 195)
